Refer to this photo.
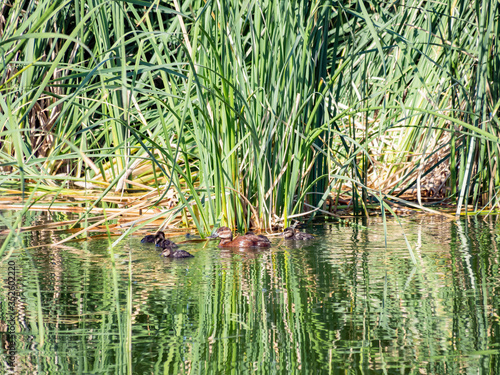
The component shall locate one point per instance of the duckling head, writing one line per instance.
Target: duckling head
(153, 237)
(288, 233)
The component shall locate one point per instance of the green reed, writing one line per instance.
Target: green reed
(252, 112)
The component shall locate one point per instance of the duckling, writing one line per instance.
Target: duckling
(165, 244)
(177, 254)
(151, 238)
(248, 240)
(291, 234)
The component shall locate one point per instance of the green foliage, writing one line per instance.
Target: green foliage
(252, 112)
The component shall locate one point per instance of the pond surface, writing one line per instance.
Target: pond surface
(345, 303)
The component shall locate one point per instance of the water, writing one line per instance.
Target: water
(344, 303)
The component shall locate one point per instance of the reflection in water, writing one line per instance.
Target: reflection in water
(341, 303)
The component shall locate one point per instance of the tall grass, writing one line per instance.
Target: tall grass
(252, 113)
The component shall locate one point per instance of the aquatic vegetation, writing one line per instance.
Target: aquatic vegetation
(249, 114)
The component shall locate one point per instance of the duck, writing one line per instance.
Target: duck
(291, 234)
(165, 244)
(167, 252)
(248, 240)
(151, 238)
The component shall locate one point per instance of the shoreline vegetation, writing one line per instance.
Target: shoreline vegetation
(195, 114)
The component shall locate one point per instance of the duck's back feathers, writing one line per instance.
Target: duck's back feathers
(248, 240)
(166, 244)
(264, 238)
(176, 254)
(301, 236)
(259, 240)
(291, 234)
(181, 254)
(260, 237)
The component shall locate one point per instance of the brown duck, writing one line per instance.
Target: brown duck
(248, 240)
